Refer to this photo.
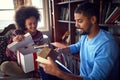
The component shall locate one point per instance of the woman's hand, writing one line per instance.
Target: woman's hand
(18, 38)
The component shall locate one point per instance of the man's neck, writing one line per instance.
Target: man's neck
(94, 32)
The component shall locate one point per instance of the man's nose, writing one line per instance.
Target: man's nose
(76, 24)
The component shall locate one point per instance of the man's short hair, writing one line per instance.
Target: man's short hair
(88, 9)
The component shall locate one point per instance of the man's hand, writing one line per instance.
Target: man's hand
(63, 50)
(51, 67)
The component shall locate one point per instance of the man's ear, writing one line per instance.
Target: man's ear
(93, 20)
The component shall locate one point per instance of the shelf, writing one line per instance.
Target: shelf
(72, 1)
(64, 21)
(64, 2)
(109, 25)
(75, 1)
(72, 22)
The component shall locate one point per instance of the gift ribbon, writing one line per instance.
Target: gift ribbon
(19, 58)
(35, 62)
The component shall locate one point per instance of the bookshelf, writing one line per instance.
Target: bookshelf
(110, 16)
(63, 20)
(63, 17)
(110, 12)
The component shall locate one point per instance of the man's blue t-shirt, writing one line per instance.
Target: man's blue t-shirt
(97, 55)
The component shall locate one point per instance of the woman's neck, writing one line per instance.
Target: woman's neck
(32, 33)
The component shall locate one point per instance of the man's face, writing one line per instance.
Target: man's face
(83, 23)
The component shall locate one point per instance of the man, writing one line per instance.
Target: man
(98, 50)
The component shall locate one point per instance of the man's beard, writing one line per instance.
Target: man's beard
(82, 32)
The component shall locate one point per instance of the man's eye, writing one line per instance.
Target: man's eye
(80, 21)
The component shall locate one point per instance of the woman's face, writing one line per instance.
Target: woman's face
(31, 24)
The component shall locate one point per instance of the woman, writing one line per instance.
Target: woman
(26, 18)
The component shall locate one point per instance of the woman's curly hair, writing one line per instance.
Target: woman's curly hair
(23, 13)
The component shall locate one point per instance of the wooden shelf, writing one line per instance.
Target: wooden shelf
(72, 1)
(64, 21)
(109, 25)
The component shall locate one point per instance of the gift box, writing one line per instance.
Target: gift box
(14, 46)
(26, 54)
(27, 59)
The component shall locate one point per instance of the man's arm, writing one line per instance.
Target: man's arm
(68, 76)
(63, 50)
(51, 68)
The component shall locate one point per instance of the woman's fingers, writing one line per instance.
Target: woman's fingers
(18, 38)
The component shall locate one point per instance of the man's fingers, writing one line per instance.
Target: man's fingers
(50, 59)
(42, 65)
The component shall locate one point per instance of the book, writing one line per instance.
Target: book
(115, 17)
(67, 14)
(68, 39)
(112, 14)
(115, 1)
(104, 11)
(108, 10)
(65, 36)
(45, 52)
(42, 60)
(117, 21)
(63, 11)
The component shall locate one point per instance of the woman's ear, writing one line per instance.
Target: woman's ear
(93, 19)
